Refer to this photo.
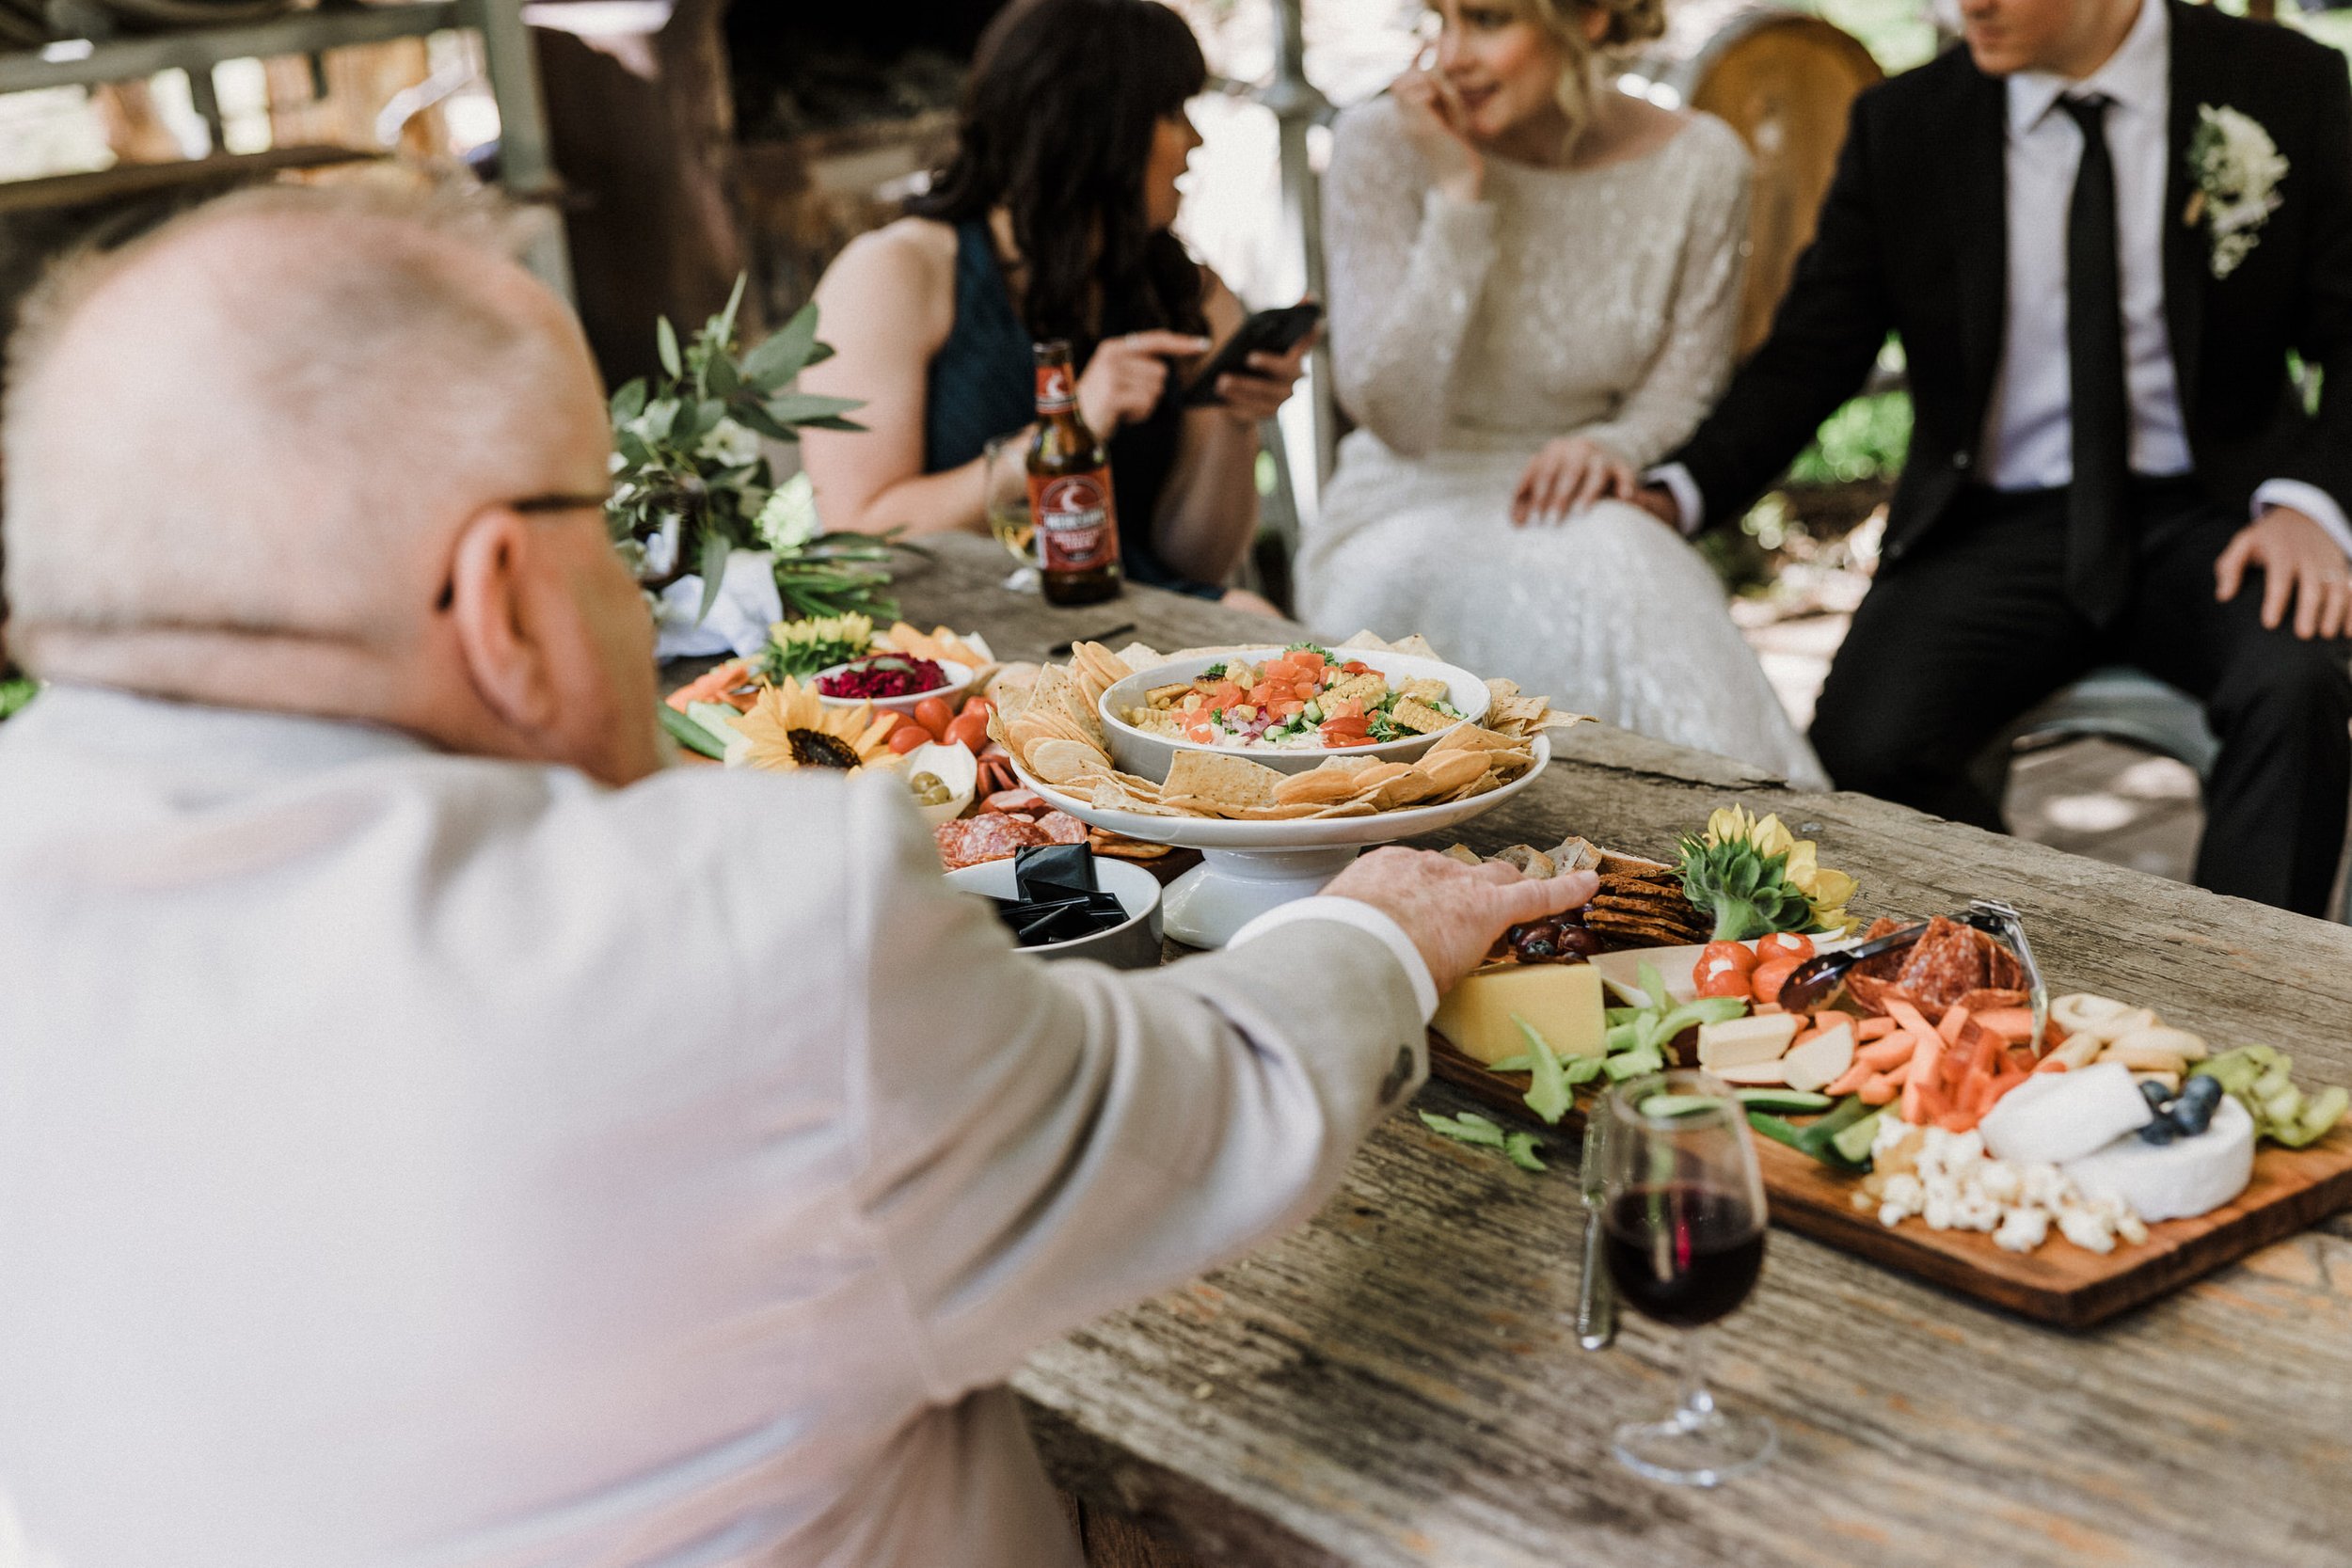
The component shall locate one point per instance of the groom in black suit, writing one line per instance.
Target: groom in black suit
(2101, 230)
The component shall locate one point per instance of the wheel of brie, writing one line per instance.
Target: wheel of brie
(2178, 1180)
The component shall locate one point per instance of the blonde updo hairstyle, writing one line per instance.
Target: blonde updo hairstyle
(1629, 24)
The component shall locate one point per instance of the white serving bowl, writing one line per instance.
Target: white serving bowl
(958, 682)
(1149, 756)
(1135, 945)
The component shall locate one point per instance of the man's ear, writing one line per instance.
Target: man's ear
(490, 609)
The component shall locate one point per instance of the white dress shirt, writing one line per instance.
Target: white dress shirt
(410, 1161)
(2028, 433)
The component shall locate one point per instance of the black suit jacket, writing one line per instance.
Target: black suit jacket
(1913, 239)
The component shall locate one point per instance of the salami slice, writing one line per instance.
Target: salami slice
(1020, 803)
(991, 836)
(1059, 827)
(1946, 964)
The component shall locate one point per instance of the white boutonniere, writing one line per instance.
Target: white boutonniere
(2237, 168)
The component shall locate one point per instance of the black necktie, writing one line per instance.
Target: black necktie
(2098, 555)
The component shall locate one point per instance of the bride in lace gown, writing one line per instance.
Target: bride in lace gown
(1516, 339)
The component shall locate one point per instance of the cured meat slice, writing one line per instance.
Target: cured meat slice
(1059, 827)
(992, 836)
(1021, 802)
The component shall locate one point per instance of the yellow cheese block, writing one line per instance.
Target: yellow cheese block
(1562, 1001)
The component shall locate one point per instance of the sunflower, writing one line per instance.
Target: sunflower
(788, 727)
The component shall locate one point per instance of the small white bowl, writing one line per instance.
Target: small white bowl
(1135, 945)
(1149, 756)
(958, 681)
(952, 765)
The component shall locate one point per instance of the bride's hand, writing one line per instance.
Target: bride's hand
(1568, 475)
(1433, 118)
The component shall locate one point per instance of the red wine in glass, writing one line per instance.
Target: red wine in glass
(1681, 1254)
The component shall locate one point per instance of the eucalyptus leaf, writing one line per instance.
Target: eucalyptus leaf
(665, 343)
(751, 415)
(630, 401)
(716, 547)
(788, 351)
(808, 407)
(718, 377)
(721, 329)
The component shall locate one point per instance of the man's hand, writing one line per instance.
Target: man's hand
(1659, 503)
(1568, 474)
(1453, 912)
(2301, 565)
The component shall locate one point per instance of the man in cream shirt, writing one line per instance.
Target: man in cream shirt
(430, 1133)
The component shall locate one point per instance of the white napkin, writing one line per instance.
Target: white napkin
(747, 606)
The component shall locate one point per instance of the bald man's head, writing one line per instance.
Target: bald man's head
(264, 416)
(269, 455)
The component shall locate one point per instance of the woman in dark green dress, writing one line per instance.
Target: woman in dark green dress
(1050, 220)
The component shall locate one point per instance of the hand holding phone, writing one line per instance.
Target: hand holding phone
(1276, 331)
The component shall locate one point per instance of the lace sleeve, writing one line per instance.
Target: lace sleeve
(1406, 268)
(1693, 362)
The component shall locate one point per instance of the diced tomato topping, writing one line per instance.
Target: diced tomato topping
(1283, 710)
(1355, 667)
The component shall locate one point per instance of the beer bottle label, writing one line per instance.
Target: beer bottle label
(1057, 389)
(1077, 528)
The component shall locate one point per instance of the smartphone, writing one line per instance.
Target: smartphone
(1276, 331)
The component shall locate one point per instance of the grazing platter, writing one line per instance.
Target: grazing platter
(1920, 1096)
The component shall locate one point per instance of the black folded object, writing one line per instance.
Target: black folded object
(1060, 899)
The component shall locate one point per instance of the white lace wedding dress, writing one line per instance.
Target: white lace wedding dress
(1600, 303)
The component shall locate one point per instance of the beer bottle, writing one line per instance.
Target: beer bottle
(1069, 490)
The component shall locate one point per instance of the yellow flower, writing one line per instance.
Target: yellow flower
(788, 727)
(1826, 890)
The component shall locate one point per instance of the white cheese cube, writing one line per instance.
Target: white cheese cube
(1739, 1041)
(1821, 1060)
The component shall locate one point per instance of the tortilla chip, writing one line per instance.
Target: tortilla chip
(1348, 808)
(1409, 788)
(1319, 785)
(1229, 781)
(1452, 772)
(1474, 737)
(1067, 762)
(1276, 813)
(1110, 794)
(1141, 656)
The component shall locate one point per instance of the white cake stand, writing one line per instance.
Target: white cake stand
(1248, 868)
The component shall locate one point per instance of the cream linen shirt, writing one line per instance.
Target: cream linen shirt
(416, 1160)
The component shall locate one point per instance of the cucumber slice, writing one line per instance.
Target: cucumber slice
(1665, 1105)
(691, 735)
(1798, 1101)
(1853, 1143)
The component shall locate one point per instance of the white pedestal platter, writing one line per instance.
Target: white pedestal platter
(1248, 868)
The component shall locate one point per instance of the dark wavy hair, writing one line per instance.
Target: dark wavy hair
(1057, 127)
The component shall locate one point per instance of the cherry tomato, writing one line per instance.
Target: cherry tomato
(1769, 977)
(935, 715)
(1725, 981)
(1740, 953)
(906, 735)
(1785, 945)
(971, 730)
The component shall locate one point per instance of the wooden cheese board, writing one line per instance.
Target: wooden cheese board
(2059, 1284)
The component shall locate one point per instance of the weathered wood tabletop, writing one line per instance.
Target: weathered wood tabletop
(1399, 1384)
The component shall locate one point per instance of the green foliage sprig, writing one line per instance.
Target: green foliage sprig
(687, 446)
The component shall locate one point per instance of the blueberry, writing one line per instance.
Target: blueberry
(2154, 1093)
(2161, 1131)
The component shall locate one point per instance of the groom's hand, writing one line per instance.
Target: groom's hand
(1659, 503)
(2301, 565)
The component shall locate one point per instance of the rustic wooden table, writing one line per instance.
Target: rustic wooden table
(1399, 1384)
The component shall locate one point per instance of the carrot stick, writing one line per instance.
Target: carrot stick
(1913, 1108)
(1898, 1074)
(2050, 1064)
(1891, 1052)
(1877, 1092)
(1955, 1121)
(1975, 1094)
(1875, 1028)
(2013, 1024)
(1852, 1079)
(1910, 1016)
(1954, 1021)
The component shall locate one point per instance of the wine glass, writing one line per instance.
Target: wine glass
(1006, 466)
(1683, 1233)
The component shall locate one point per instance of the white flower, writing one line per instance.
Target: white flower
(729, 445)
(790, 518)
(2237, 168)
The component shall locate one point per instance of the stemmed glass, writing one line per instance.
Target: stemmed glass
(1006, 467)
(1683, 1233)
